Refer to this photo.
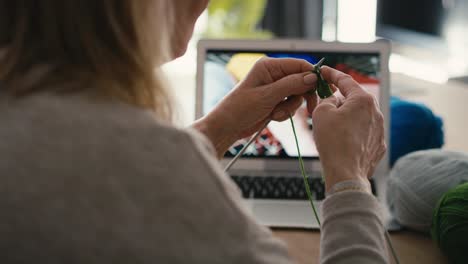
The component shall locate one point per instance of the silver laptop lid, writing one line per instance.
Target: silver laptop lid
(222, 63)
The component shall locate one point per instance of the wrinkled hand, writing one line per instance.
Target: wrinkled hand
(349, 132)
(258, 98)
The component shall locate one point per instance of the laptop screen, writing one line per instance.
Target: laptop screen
(224, 68)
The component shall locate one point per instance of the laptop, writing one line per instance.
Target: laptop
(268, 173)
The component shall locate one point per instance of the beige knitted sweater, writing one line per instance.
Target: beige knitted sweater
(104, 182)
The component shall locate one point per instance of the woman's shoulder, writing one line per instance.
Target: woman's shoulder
(77, 109)
(77, 122)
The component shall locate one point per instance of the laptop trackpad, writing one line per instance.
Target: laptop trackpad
(277, 213)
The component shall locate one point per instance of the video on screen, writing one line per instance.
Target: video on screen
(224, 69)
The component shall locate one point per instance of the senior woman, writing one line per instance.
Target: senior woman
(94, 172)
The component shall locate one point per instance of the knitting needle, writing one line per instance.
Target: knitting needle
(318, 64)
(238, 155)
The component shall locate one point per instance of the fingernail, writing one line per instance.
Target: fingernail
(310, 79)
(279, 115)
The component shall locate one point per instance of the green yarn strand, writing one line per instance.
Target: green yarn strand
(303, 172)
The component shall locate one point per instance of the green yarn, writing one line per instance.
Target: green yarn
(303, 172)
(450, 224)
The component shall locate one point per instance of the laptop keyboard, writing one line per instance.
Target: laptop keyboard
(283, 188)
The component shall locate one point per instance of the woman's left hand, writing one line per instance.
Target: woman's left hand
(258, 98)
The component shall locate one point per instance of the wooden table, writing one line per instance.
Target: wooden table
(411, 247)
(450, 101)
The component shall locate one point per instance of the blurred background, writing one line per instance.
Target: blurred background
(429, 52)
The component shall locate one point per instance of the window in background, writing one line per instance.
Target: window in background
(356, 20)
(349, 21)
(181, 76)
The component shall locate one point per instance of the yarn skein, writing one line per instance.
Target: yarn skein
(413, 127)
(418, 181)
(450, 224)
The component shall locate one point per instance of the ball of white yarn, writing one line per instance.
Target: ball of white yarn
(418, 180)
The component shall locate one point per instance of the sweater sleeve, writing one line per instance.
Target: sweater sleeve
(258, 245)
(352, 229)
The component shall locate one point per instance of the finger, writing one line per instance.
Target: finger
(286, 108)
(325, 105)
(340, 99)
(332, 101)
(311, 100)
(281, 67)
(344, 82)
(294, 84)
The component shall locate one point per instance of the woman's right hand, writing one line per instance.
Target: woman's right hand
(349, 131)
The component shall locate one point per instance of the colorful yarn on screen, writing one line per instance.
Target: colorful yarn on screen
(450, 224)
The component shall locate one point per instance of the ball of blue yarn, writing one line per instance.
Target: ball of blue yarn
(417, 182)
(450, 224)
(413, 127)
